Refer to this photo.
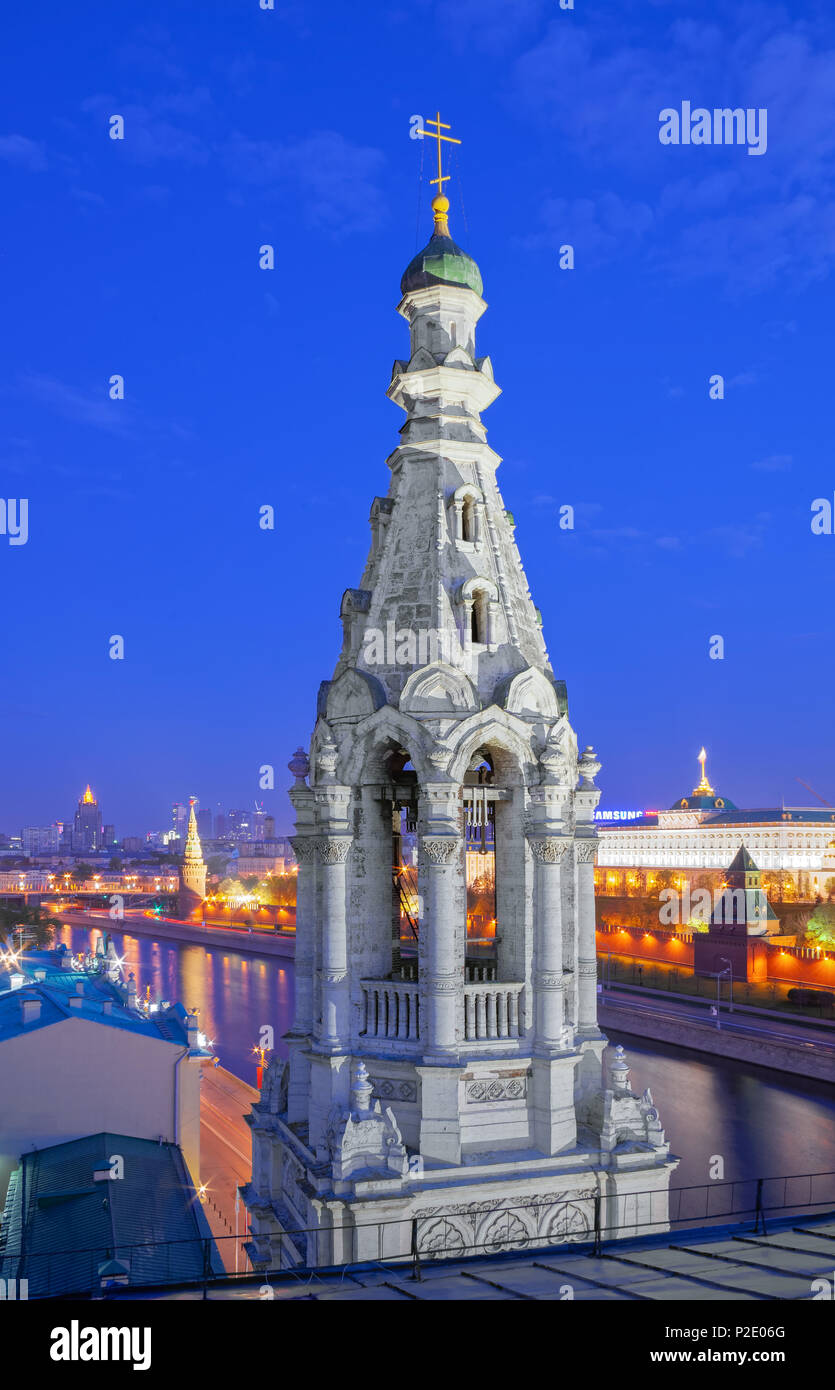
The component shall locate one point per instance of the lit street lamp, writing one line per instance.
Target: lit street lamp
(730, 972)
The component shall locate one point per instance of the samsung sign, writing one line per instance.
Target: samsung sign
(623, 815)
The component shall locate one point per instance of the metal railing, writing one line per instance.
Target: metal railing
(589, 1220)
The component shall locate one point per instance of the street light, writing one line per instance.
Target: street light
(730, 972)
(719, 974)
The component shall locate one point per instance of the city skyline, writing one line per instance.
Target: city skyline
(692, 515)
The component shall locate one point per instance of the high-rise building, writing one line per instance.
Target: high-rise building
(257, 822)
(87, 829)
(108, 836)
(204, 823)
(41, 839)
(179, 820)
(467, 1096)
(239, 825)
(221, 827)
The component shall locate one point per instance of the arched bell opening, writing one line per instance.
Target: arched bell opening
(382, 890)
(493, 795)
(480, 865)
(405, 906)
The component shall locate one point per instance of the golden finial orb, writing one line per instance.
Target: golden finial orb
(440, 208)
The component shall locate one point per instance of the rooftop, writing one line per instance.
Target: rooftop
(50, 979)
(78, 1218)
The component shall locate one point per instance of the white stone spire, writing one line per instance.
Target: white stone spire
(443, 577)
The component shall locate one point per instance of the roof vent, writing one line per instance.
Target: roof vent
(31, 1010)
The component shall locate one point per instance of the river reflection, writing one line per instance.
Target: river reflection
(236, 994)
(761, 1123)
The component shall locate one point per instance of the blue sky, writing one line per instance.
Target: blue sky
(245, 387)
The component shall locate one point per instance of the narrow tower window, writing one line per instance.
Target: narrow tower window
(478, 631)
(468, 520)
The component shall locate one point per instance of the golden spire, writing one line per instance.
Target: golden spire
(88, 798)
(440, 203)
(704, 788)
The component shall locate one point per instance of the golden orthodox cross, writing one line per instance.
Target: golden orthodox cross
(437, 135)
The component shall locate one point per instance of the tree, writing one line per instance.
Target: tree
(231, 888)
(820, 929)
(829, 887)
(79, 873)
(38, 925)
(115, 863)
(216, 863)
(279, 890)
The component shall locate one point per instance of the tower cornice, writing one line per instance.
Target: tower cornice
(455, 450)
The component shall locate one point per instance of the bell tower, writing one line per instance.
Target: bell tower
(434, 1077)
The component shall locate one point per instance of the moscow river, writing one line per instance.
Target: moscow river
(760, 1123)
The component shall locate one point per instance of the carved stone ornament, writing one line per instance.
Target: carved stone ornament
(553, 757)
(365, 1136)
(513, 1088)
(550, 850)
(304, 848)
(299, 765)
(326, 760)
(334, 849)
(442, 849)
(588, 767)
(584, 851)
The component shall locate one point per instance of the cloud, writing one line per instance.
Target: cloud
(490, 25)
(97, 411)
(26, 153)
(697, 213)
(738, 540)
(337, 182)
(775, 463)
(598, 230)
(149, 135)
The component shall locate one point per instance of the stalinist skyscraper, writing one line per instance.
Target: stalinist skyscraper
(469, 1094)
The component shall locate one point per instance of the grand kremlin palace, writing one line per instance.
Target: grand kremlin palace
(703, 831)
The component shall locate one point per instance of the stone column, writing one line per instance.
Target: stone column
(333, 857)
(443, 969)
(584, 851)
(299, 1038)
(441, 947)
(549, 1011)
(304, 848)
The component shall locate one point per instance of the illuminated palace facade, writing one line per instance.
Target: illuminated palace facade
(703, 832)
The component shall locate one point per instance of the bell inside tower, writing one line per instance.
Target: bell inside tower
(480, 828)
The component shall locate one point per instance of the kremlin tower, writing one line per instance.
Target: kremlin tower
(192, 874)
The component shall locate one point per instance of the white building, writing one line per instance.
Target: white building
(704, 831)
(77, 1056)
(472, 1100)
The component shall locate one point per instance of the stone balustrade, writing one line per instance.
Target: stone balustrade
(391, 1009)
(492, 1010)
